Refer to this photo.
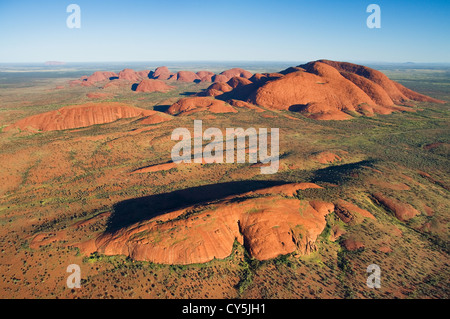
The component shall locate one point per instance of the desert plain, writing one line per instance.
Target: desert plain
(86, 178)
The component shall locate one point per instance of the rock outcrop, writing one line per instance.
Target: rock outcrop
(131, 75)
(402, 211)
(77, 116)
(322, 90)
(161, 73)
(99, 76)
(150, 85)
(267, 226)
(190, 105)
(328, 90)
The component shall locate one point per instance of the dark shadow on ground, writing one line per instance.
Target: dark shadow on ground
(338, 174)
(161, 108)
(297, 107)
(135, 210)
(134, 87)
(189, 93)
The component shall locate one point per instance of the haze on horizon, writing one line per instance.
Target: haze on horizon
(200, 30)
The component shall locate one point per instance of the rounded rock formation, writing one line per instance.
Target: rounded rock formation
(77, 116)
(150, 85)
(187, 76)
(268, 226)
(189, 105)
(161, 73)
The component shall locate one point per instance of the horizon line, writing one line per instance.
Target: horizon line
(225, 61)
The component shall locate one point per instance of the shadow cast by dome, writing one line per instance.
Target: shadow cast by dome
(136, 210)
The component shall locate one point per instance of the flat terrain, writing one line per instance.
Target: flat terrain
(61, 188)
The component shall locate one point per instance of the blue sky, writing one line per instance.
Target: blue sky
(211, 30)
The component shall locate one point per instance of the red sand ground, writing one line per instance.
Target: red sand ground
(156, 168)
(98, 95)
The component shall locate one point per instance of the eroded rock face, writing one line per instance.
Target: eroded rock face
(322, 90)
(352, 244)
(396, 92)
(328, 90)
(349, 212)
(99, 95)
(267, 226)
(76, 116)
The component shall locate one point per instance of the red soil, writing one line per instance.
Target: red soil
(352, 244)
(385, 249)
(156, 118)
(98, 95)
(75, 83)
(43, 239)
(243, 104)
(336, 232)
(155, 168)
(327, 157)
